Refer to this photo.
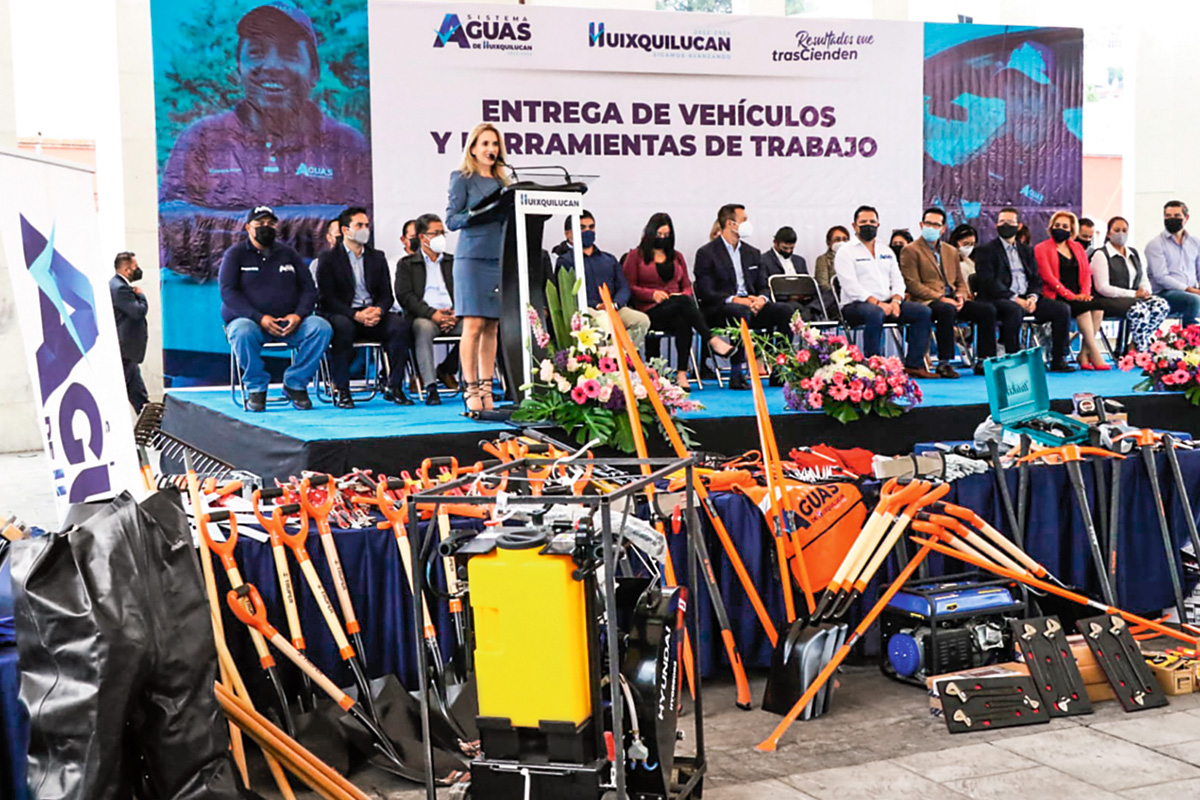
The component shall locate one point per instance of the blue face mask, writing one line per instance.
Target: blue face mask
(588, 238)
(930, 235)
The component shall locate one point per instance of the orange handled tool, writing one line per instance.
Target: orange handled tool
(247, 605)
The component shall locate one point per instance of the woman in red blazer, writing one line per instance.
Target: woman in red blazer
(1067, 274)
(658, 278)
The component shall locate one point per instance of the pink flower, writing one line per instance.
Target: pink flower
(579, 395)
(608, 365)
(854, 352)
(897, 391)
(856, 395)
(817, 384)
(839, 392)
(868, 394)
(838, 379)
(803, 356)
(1126, 363)
(1182, 376)
(1158, 347)
(1169, 379)
(805, 383)
(1143, 360)
(781, 359)
(881, 386)
(591, 387)
(815, 400)
(605, 393)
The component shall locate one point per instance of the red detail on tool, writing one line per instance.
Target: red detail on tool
(609, 746)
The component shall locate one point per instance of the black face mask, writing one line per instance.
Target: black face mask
(1173, 225)
(664, 242)
(1059, 235)
(1085, 242)
(896, 248)
(265, 236)
(867, 232)
(1007, 231)
(414, 243)
(136, 275)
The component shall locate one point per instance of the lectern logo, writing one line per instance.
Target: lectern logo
(485, 32)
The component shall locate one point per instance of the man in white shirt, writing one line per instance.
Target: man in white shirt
(872, 292)
(425, 289)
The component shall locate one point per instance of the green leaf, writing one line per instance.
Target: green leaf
(561, 334)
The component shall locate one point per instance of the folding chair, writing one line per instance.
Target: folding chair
(804, 286)
(375, 372)
(894, 328)
(237, 385)
(693, 368)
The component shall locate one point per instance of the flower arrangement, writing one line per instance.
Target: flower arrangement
(577, 380)
(1172, 363)
(824, 372)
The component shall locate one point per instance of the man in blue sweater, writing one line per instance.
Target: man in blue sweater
(600, 268)
(267, 294)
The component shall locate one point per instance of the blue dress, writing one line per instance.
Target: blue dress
(477, 255)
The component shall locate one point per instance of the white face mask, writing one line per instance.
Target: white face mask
(745, 230)
(361, 235)
(1119, 238)
(836, 246)
(965, 250)
(438, 243)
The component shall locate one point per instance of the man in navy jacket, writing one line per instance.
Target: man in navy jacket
(731, 285)
(599, 269)
(355, 286)
(267, 294)
(129, 310)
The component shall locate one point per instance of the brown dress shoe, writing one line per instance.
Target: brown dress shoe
(947, 371)
(921, 372)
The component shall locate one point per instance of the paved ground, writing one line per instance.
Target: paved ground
(879, 741)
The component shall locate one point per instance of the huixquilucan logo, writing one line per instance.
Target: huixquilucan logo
(698, 44)
(486, 32)
(828, 46)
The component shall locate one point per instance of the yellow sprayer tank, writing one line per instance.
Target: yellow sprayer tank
(531, 647)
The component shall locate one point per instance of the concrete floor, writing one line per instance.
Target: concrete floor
(878, 742)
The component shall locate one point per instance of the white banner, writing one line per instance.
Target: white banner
(60, 284)
(799, 120)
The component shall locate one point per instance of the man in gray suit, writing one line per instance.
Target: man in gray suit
(129, 309)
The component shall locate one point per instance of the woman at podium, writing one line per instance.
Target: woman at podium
(482, 173)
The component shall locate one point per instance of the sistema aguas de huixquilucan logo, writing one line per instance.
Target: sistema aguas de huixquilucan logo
(486, 32)
(698, 44)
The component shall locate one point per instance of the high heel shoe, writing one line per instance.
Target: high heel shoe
(729, 350)
(1102, 367)
(681, 380)
(1089, 367)
(483, 389)
(470, 392)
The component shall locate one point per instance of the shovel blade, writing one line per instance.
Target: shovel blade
(797, 659)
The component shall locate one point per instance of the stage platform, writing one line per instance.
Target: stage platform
(382, 436)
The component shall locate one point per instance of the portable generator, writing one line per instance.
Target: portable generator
(948, 624)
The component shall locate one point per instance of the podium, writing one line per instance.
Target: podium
(537, 194)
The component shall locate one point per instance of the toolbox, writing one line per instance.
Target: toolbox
(1020, 401)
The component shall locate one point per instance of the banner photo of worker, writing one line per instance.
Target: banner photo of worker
(257, 103)
(1003, 122)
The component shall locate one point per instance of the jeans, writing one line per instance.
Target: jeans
(916, 316)
(424, 332)
(946, 318)
(394, 332)
(309, 340)
(1183, 304)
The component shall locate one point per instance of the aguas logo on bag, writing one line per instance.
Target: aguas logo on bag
(486, 32)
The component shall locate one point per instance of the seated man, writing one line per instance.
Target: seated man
(599, 269)
(1007, 277)
(425, 290)
(872, 292)
(267, 294)
(356, 297)
(931, 272)
(731, 285)
(1173, 262)
(782, 259)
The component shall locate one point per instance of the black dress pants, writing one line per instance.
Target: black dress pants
(680, 317)
(1054, 312)
(772, 317)
(393, 331)
(946, 317)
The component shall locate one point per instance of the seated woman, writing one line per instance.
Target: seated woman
(658, 278)
(965, 237)
(1122, 285)
(1067, 274)
(835, 237)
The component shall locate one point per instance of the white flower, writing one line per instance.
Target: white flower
(546, 373)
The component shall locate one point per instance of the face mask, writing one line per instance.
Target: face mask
(414, 242)
(930, 235)
(1059, 235)
(836, 245)
(1085, 242)
(588, 238)
(783, 255)
(745, 230)
(867, 232)
(1173, 225)
(265, 236)
(896, 248)
(965, 250)
(361, 235)
(1119, 238)
(1006, 230)
(664, 242)
(438, 243)
(136, 275)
